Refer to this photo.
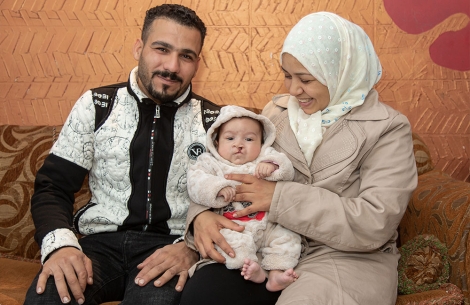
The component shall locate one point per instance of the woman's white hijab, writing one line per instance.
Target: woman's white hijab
(340, 55)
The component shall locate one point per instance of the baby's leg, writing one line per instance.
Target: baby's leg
(252, 271)
(278, 280)
(242, 244)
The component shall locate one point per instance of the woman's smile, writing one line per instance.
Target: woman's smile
(304, 103)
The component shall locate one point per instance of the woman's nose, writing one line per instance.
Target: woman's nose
(295, 88)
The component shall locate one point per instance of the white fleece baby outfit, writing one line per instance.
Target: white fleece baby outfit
(279, 247)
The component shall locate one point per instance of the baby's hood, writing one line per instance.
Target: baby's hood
(229, 112)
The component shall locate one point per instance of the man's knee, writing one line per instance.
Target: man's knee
(50, 295)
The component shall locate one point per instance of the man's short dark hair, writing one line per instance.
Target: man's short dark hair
(178, 13)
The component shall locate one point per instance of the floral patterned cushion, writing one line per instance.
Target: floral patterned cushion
(423, 265)
(22, 152)
(422, 155)
(447, 294)
(440, 206)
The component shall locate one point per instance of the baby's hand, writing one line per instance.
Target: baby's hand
(265, 169)
(228, 193)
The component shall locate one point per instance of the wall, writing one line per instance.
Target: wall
(52, 51)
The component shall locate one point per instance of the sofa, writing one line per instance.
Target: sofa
(440, 207)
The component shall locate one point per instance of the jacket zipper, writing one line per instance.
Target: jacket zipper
(149, 171)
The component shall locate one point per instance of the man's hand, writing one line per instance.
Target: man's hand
(71, 267)
(168, 261)
(257, 191)
(207, 227)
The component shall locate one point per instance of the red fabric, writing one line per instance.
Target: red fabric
(258, 216)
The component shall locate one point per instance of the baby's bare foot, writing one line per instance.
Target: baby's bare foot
(251, 271)
(278, 280)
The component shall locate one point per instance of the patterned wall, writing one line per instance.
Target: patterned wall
(51, 51)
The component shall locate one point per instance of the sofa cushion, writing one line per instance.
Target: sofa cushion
(422, 155)
(447, 294)
(423, 265)
(16, 275)
(440, 206)
(23, 151)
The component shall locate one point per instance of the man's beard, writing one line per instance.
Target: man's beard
(162, 96)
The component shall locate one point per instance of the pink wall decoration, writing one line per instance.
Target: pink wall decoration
(451, 49)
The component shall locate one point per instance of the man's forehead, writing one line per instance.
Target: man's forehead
(171, 33)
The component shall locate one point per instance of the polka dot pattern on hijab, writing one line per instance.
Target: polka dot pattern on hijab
(340, 55)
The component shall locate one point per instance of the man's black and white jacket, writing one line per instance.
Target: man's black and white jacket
(132, 188)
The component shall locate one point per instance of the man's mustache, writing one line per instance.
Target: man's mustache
(167, 74)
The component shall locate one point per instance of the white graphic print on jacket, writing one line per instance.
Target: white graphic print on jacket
(109, 168)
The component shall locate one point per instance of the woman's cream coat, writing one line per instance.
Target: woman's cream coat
(347, 204)
(355, 192)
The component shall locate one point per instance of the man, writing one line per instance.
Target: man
(135, 144)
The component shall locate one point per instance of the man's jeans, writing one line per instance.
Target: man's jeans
(115, 257)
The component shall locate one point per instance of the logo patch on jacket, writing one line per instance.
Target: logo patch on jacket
(195, 149)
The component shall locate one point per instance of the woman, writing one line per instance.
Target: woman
(355, 173)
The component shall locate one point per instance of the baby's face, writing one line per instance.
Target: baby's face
(240, 140)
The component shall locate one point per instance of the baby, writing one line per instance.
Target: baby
(240, 142)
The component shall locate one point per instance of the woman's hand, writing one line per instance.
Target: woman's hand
(207, 227)
(257, 191)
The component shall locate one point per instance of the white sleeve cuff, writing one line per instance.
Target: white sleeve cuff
(181, 238)
(58, 239)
